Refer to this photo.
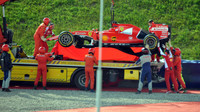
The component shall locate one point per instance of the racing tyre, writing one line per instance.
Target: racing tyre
(152, 40)
(80, 80)
(65, 39)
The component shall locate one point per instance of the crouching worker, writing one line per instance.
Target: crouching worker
(6, 66)
(145, 60)
(42, 59)
(90, 59)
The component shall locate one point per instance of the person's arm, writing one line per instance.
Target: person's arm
(52, 33)
(95, 60)
(170, 45)
(147, 46)
(50, 58)
(170, 54)
(42, 33)
(43, 38)
(161, 52)
(138, 62)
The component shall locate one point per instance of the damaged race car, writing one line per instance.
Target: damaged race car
(119, 36)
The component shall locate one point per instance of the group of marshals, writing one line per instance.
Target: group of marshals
(172, 64)
(172, 57)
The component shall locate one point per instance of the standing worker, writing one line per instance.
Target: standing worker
(151, 25)
(169, 68)
(90, 59)
(48, 32)
(177, 66)
(6, 66)
(42, 59)
(39, 35)
(145, 61)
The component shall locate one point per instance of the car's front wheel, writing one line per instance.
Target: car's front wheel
(65, 39)
(151, 40)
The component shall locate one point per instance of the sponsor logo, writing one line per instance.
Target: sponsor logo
(121, 28)
(80, 33)
(90, 34)
(105, 38)
(159, 29)
(113, 38)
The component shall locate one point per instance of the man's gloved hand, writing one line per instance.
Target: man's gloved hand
(53, 56)
(43, 39)
(158, 44)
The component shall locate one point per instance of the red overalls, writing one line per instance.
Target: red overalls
(37, 37)
(178, 69)
(48, 32)
(42, 68)
(89, 71)
(169, 70)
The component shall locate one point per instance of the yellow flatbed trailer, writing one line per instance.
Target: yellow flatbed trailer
(67, 71)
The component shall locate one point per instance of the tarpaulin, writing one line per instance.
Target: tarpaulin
(108, 54)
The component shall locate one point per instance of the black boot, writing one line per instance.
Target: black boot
(92, 90)
(35, 87)
(138, 92)
(44, 88)
(3, 89)
(150, 91)
(7, 90)
(86, 89)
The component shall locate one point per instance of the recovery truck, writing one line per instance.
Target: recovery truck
(66, 71)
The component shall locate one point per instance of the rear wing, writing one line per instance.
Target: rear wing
(162, 31)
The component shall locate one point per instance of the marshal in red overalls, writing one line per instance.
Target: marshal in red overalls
(90, 59)
(169, 69)
(42, 59)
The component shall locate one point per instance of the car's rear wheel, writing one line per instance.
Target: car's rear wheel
(65, 39)
(151, 40)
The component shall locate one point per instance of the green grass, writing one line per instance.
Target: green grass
(24, 16)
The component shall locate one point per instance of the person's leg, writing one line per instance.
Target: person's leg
(174, 80)
(149, 81)
(39, 72)
(141, 80)
(37, 46)
(86, 79)
(46, 46)
(178, 75)
(8, 80)
(91, 74)
(167, 80)
(152, 57)
(44, 78)
(4, 80)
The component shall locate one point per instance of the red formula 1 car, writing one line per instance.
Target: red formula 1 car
(119, 36)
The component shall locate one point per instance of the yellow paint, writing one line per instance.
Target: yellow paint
(105, 38)
(90, 34)
(113, 38)
(131, 74)
(70, 71)
(121, 28)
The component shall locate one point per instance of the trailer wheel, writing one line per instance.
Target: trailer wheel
(65, 39)
(80, 80)
(152, 40)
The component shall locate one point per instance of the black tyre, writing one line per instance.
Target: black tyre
(152, 40)
(65, 39)
(80, 80)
